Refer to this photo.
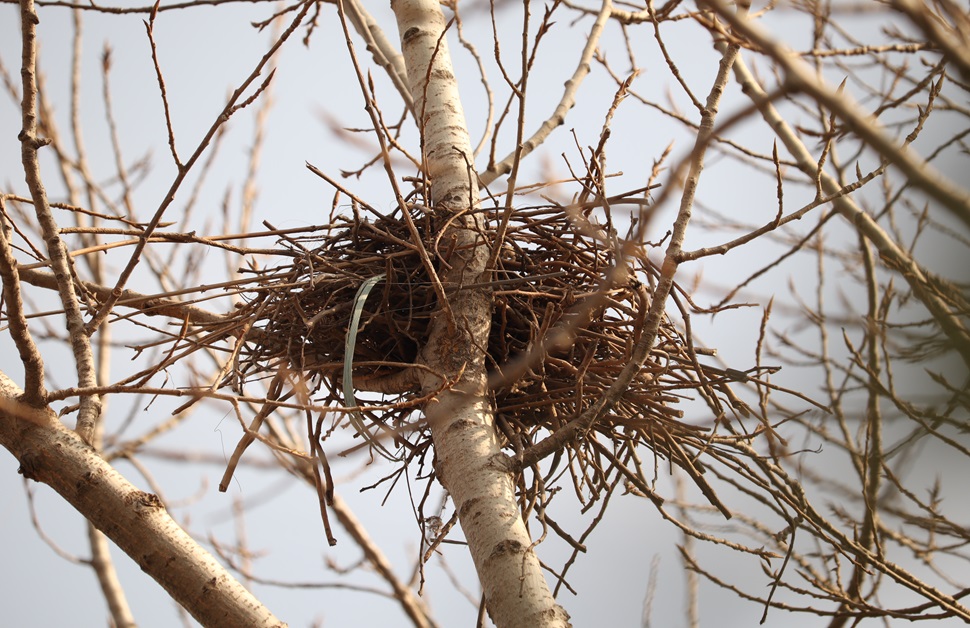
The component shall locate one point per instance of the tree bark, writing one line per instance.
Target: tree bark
(136, 521)
(469, 461)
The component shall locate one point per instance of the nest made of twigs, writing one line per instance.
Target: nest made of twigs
(548, 267)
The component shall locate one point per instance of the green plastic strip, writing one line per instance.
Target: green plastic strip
(349, 400)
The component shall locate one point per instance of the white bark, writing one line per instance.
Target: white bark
(136, 521)
(469, 460)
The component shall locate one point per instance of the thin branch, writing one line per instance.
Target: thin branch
(35, 394)
(90, 408)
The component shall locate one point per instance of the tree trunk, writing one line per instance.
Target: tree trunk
(469, 461)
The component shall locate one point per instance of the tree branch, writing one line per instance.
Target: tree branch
(90, 406)
(136, 521)
(952, 323)
(800, 76)
(35, 392)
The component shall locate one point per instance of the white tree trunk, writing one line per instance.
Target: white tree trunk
(469, 460)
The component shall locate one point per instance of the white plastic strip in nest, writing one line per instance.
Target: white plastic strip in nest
(356, 418)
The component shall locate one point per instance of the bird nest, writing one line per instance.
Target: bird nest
(552, 277)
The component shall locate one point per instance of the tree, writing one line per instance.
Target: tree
(516, 336)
